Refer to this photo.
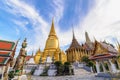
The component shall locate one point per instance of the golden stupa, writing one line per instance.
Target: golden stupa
(51, 49)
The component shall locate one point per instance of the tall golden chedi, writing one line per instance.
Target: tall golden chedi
(51, 49)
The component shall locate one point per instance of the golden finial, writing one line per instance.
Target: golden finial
(52, 30)
(32, 54)
(87, 37)
(73, 32)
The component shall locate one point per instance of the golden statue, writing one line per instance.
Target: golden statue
(51, 49)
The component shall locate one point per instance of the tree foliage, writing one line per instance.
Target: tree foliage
(58, 63)
(85, 59)
(88, 62)
(11, 74)
(67, 63)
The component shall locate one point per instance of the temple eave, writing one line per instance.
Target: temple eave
(104, 56)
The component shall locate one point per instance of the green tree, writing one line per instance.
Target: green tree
(67, 63)
(11, 75)
(67, 68)
(85, 59)
(59, 67)
(58, 63)
(88, 62)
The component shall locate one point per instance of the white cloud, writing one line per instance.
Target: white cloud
(17, 31)
(22, 9)
(103, 20)
(40, 26)
(22, 24)
(59, 9)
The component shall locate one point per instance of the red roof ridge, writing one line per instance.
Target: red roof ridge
(7, 58)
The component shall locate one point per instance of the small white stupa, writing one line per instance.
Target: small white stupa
(30, 64)
(31, 60)
(48, 60)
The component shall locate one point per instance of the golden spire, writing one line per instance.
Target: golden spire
(118, 46)
(74, 43)
(52, 30)
(52, 41)
(32, 54)
(73, 33)
(39, 50)
(87, 37)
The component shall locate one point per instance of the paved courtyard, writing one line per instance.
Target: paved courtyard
(67, 78)
(80, 74)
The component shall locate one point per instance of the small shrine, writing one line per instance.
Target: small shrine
(105, 57)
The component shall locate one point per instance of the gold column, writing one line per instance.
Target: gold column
(73, 55)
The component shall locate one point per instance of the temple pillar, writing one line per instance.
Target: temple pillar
(104, 69)
(109, 66)
(113, 68)
(74, 56)
(97, 66)
(85, 53)
(77, 55)
(71, 57)
(118, 64)
(68, 54)
(80, 55)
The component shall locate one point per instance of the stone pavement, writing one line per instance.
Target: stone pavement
(80, 74)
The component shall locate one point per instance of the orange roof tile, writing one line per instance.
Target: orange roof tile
(6, 45)
(4, 53)
(108, 55)
(28, 57)
(3, 60)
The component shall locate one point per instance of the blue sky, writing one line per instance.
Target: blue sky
(32, 19)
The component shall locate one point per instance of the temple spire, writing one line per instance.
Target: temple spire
(32, 54)
(87, 37)
(74, 43)
(38, 51)
(52, 30)
(73, 33)
(118, 46)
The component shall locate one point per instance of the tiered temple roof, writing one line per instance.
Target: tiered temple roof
(74, 44)
(89, 45)
(103, 50)
(6, 45)
(7, 51)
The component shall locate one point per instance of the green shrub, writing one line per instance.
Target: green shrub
(58, 63)
(90, 64)
(11, 74)
(45, 71)
(85, 59)
(106, 66)
(32, 71)
(67, 63)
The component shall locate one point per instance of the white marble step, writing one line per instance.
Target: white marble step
(81, 72)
